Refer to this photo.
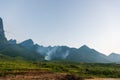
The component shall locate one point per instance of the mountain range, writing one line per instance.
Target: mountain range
(28, 50)
(82, 54)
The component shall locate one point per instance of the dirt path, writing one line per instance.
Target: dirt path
(43, 75)
(38, 75)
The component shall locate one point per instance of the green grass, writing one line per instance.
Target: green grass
(82, 69)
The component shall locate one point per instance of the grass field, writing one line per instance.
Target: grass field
(87, 70)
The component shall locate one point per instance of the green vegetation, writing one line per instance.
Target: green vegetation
(84, 69)
(80, 69)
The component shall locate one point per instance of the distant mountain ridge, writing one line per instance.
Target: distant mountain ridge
(114, 57)
(86, 54)
(83, 54)
(34, 52)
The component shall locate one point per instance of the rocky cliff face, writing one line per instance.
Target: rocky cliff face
(3, 39)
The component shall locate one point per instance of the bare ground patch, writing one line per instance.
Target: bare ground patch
(38, 75)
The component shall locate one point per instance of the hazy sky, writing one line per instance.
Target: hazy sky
(74, 23)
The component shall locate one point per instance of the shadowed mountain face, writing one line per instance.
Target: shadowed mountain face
(50, 53)
(27, 44)
(114, 57)
(86, 54)
(83, 54)
(3, 40)
(12, 41)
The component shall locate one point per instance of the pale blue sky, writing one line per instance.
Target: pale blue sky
(74, 23)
